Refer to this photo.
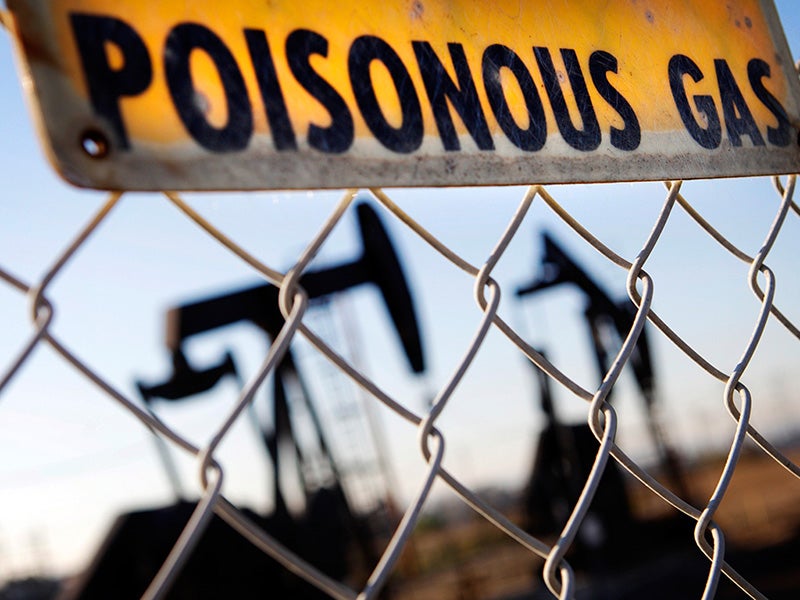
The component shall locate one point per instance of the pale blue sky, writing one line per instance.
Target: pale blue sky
(73, 458)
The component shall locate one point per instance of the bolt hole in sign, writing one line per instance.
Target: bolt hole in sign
(246, 94)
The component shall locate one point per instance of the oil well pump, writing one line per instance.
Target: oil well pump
(566, 452)
(329, 532)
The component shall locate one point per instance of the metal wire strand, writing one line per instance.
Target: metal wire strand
(601, 417)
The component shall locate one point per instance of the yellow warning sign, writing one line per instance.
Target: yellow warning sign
(248, 94)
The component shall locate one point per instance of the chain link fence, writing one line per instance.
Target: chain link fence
(571, 540)
(602, 418)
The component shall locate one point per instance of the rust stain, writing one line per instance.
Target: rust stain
(417, 10)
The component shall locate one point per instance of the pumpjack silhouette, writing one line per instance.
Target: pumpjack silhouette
(621, 555)
(566, 452)
(329, 533)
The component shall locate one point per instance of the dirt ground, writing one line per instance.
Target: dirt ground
(760, 517)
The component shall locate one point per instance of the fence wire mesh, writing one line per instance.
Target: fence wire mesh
(602, 417)
(554, 551)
